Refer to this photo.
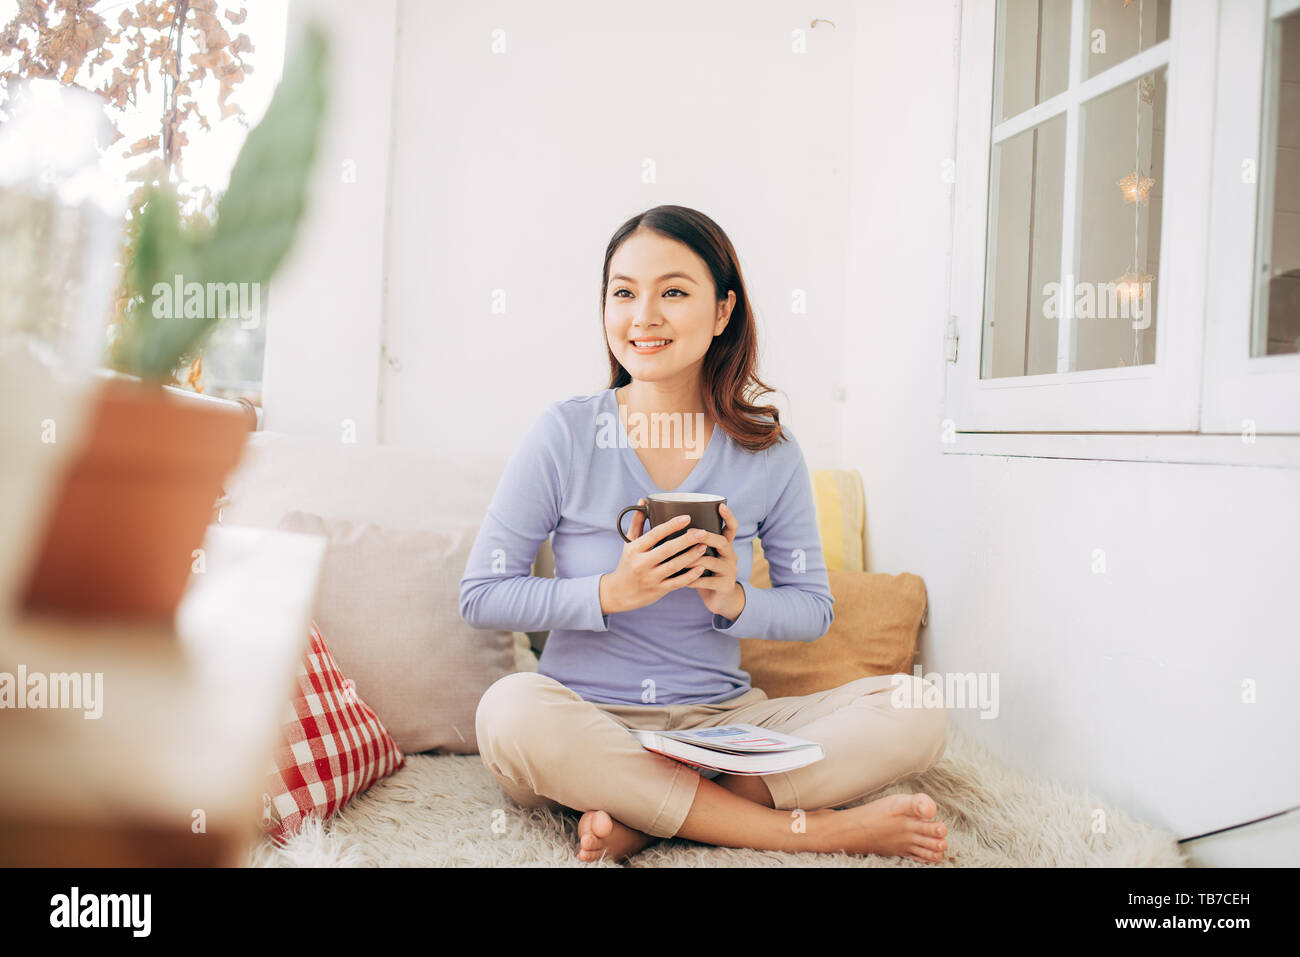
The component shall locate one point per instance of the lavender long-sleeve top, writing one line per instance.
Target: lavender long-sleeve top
(575, 468)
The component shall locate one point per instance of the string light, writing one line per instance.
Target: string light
(1135, 188)
(1133, 285)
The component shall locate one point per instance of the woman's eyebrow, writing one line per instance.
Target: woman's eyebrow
(667, 275)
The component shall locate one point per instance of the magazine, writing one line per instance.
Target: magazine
(733, 748)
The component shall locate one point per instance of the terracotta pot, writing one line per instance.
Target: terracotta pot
(135, 502)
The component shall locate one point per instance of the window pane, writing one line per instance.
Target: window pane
(1118, 29)
(1026, 174)
(234, 356)
(1120, 196)
(1277, 321)
(1033, 54)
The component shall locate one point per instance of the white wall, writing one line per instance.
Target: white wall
(1126, 683)
(325, 304)
(510, 171)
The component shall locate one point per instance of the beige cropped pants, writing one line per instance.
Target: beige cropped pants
(548, 747)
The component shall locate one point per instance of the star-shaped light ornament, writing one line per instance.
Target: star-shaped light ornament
(1147, 88)
(1135, 187)
(1133, 285)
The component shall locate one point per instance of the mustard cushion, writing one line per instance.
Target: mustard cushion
(841, 519)
(877, 616)
(877, 619)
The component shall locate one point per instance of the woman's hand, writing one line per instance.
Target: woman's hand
(642, 575)
(720, 592)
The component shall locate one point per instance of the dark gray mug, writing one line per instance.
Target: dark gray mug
(660, 507)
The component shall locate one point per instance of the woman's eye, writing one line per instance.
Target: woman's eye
(616, 292)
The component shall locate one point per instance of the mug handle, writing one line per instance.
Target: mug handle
(631, 508)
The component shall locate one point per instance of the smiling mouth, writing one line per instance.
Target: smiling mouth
(650, 345)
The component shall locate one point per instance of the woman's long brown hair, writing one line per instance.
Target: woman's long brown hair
(729, 386)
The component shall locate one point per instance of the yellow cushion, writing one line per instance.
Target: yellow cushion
(877, 619)
(877, 616)
(841, 519)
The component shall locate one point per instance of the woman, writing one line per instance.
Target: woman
(632, 646)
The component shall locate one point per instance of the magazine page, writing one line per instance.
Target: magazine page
(710, 759)
(740, 738)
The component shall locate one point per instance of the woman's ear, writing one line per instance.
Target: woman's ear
(724, 312)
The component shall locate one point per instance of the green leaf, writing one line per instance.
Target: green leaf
(257, 219)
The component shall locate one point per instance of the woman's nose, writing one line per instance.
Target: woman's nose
(647, 320)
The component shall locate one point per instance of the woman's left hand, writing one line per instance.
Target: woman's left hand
(720, 592)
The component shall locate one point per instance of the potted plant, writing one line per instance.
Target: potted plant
(137, 495)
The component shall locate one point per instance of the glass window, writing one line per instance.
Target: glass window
(1122, 137)
(1075, 192)
(1024, 251)
(1119, 29)
(1276, 327)
(1033, 54)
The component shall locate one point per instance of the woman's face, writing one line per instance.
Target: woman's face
(660, 311)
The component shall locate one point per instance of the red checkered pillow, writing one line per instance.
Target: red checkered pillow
(333, 747)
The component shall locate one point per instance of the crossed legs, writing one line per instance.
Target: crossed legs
(546, 746)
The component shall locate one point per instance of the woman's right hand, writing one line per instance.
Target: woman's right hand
(642, 575)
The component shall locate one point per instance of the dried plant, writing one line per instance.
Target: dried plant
(181, 45)
(255, 224)
(178, 44)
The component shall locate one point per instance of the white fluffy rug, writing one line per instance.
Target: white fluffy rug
(447, 811)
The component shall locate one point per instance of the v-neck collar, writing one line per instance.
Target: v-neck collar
(638, 467)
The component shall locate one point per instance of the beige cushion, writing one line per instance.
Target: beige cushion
(391, 485)
(877, 618)
(388, 601)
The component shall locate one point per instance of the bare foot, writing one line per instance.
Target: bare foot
(899, 825)
(599, 834)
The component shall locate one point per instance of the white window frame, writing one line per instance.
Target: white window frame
(1181, 408)
(1245, 393)
(1164, 395)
